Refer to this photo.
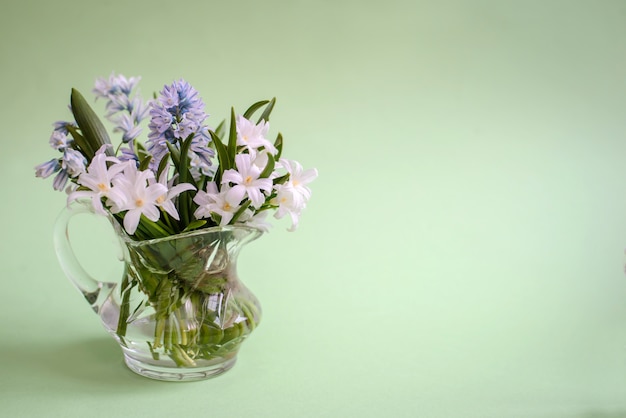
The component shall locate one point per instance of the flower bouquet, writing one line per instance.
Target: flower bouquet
(183, 202)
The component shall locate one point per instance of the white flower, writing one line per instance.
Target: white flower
(292, 197)
(246, 177)
(260, 158)
(137, 196)
(252, 136)
(224, 203)
(165, 200)
(299, 178)
(97, 178)
(290, 203)
(258, 221)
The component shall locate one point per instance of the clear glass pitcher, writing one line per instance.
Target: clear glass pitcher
(180, 311)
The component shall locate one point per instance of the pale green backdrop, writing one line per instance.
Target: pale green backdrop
(462, 255)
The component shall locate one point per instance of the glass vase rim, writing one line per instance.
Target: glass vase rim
(186, 234)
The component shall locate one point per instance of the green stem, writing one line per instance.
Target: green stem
(159, 328)
(167, 336)
(181, 358)
(122, 321)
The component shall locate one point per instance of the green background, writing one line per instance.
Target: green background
(462, 255)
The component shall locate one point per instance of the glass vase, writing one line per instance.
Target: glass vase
(180, 311)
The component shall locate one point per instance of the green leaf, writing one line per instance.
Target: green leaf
(184, 176)
(219, 131)
(176, 157)
(145, 162)
(162, 165)
(216, 218)
(269, 167)
(79, 140)
(268, 110)
(195, 225)
(248, 113)
(278, 144)
(183, 169)
(222, 156)
(139, 147)
(281, 179)
(174, 154)
(90, 126)
(232, 139)
(237, 214)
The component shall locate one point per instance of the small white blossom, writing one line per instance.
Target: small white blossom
(290, 203)
(165, 200)
(97, 178)
(137, 195)
(258, 221)
(224, 203)
(299, 178)
(247, 178)
(292, 197)
(252, 136)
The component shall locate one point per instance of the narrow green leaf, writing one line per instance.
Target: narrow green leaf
(139, 147)
(269, 167)
(145, 162)
(163, 164)
(248, 113)
(140, 151)
(219, 131)
(174, 154)
(90, 126)
(183, 169)
(154, 229)
(281, 179)
(278, 144)
(222, 156)
(79, 140)
(195, 225)
(216, 218)
(232, 139)
(237, 214)
(184, 199)
(268, 110)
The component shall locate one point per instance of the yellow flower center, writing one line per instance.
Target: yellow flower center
(139, 203)
(103, 187)
(227, 207)
(248, 180)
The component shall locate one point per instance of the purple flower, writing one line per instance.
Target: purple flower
(59, 140)
(73, 162)
(116, 90)
(176, 114)
(60, 180)
(46, 169)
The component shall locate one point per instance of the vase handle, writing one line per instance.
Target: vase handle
(94, 291)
